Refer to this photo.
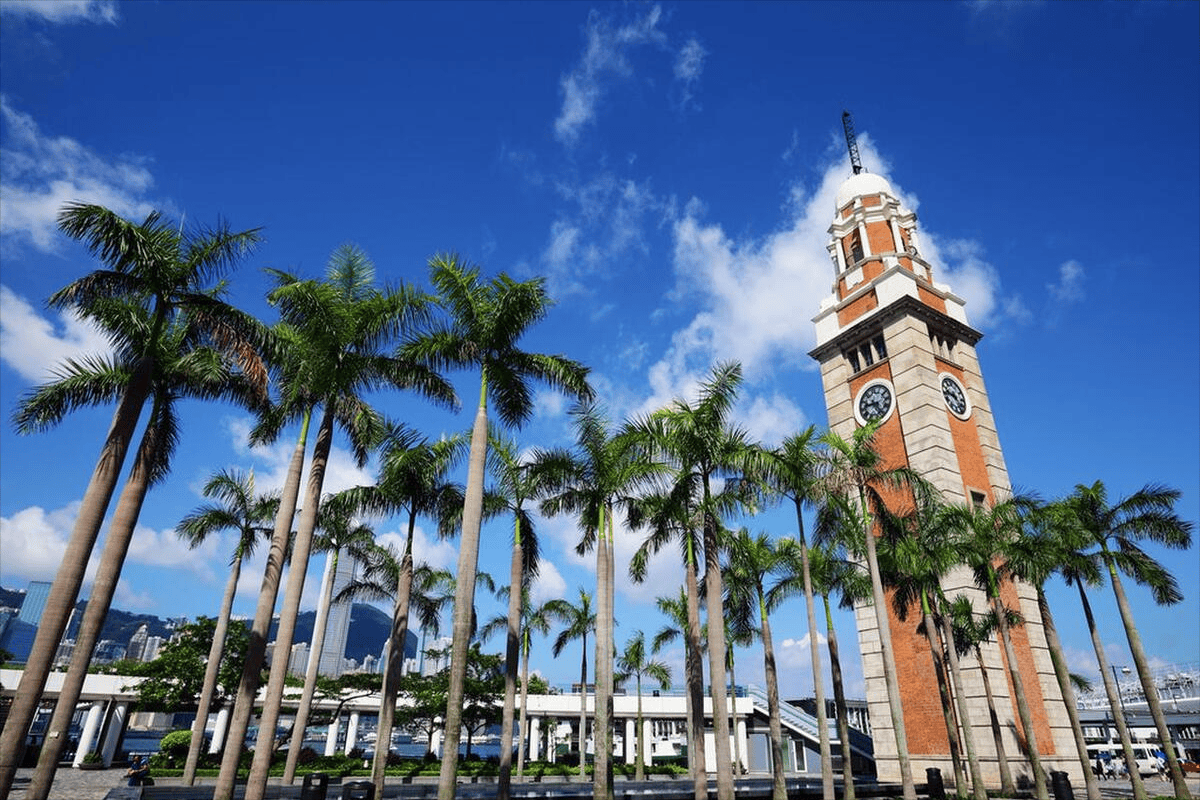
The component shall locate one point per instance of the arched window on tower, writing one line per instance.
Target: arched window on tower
(854, 241)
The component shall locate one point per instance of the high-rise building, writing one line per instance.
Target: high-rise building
(298, 662)
(136, 650)
(895, 347)
(36, 595)
(337, 627)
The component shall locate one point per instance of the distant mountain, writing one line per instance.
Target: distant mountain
(369, 627)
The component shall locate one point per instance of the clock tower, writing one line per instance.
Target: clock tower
(895, 346)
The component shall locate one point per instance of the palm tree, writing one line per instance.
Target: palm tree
(752, 560)
(634, 662)
(486, 322)
(986, 535)
(337, 530)
(792, 473)
(578, 621)
(1033, 558)
(699, 439)
(1115, 532)
(339, 328)
(186, 368)
(162, 271)
(855, 472)
(603, 477)
(249, 514)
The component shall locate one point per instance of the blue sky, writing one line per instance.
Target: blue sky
(670, 168)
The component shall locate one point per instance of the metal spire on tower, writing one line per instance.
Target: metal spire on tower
(851, 142)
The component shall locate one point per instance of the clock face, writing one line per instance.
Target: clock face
(956, 399)
(875, 402)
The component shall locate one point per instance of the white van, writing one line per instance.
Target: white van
(1144, 755)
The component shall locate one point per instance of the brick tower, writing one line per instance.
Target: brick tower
(895, 346)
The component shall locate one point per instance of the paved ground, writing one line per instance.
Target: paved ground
(77, 784)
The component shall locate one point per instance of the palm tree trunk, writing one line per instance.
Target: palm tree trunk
(1068, 694)
(464, 596)
(107, 574)
(889, 664)
(695, 679)
(602, 722)
(211, 669)
(1114, 702)
(312, 669)
(583, 708)
(610, 626)
(733, 715)
(715, 593)
(264, 747)
(778, 778)
(639, 769)
(1014, 674)
(935, 652)
(395, 665)
(522, 740)
(243, 707)
(839, 700)
(1148, 688)
(65, 589)
(1007, 787)
(964, 712)
(818, 672)
(516, 583)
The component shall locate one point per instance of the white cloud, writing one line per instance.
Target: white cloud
(39, 174)
(35, 541)
(63, 11)
(33, 345)
(549, 585)
(167, 550)
(341, 471)
(127, 599)
(605, 54)
(689, 64)
(1069, 287)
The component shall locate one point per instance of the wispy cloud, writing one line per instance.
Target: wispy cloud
(689, 65)
(1069, 286)
(40, 173)
(33, 345)
(605, 55)
(61, 12)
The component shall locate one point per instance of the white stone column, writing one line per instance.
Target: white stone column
(742, 743)
(647, 732)
(331, 737)
(535, 739)
(90, 726)
(116, 725)
(222, 723)
(351, 733)
(630, 744)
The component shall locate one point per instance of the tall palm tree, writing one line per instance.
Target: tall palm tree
(338, 531)
(792, 474)
(987, 533)
(752, 562)
(341, 328)
(413, 482)
(1115, 532)
(855, 472)
(1034, 557)
(577, 621)
(483, 332)
(699, 439)
(249, 514)
(162, 270)
(634, 662)
(604, 476)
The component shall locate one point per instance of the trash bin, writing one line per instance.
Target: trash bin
(315, 787)
(934, 785)
(1060, 785)
(358, 790)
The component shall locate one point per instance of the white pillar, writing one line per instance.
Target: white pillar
(630, 744)
(742, 743)
(90, 726)
(436, 744)
(116, 725)
(214, 745)
(331, 737)
(351, 733)
(535, 739)
(648, 753)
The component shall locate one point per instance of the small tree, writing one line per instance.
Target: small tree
(174, 679)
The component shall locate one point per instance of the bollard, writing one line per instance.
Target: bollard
(358, 790)
(1060, 785)
(316, 786)
(934, 785)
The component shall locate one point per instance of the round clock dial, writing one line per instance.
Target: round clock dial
(956, 399)
(875, 402)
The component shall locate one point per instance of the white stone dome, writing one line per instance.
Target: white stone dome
(863, 183)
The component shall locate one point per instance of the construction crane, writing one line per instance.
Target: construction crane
(851, 142)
